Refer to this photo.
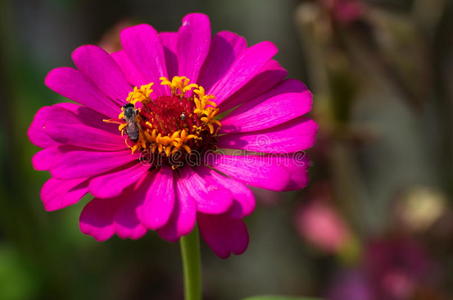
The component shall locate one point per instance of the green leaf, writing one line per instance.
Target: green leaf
(279, 298)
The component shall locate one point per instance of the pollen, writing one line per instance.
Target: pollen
(140, 94)
(170, 126)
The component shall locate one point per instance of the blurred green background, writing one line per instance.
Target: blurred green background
(376, 223)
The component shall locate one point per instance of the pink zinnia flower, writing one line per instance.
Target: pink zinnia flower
(147, 134)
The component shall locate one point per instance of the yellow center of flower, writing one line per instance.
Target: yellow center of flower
(170, 126)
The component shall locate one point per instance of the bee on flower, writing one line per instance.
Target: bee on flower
(172, 96)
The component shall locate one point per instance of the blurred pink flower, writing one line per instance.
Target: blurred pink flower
(319, 223)
(397, 266)
(344, 11)
(145, 134)
(394, 268)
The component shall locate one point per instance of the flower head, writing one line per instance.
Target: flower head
(169, 131)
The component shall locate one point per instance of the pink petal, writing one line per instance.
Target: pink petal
(246, 66)
(57, 193)
(272, 172)
(223, 234)
(244, 200)
(35, 132)
(225, 48)
(144, 49)
(237, 43)
(113, 184)
(102, 218)
(81, 163)
(91, 118)
(287, 101)
(269, 75)
(68, 123)
(95, 63)
(296, 135)
(159, 200)
(169, 41)
(297, 166)
(86, 137)
(96, 218)
(133, 75)
(65, 127)
(194, 38)
(182, 220)
(46, 159)
(87, 116)
(127, 223)
(211, 198)
(127, 226)
(72, 84)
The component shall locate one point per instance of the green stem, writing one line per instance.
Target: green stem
(190, 252)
